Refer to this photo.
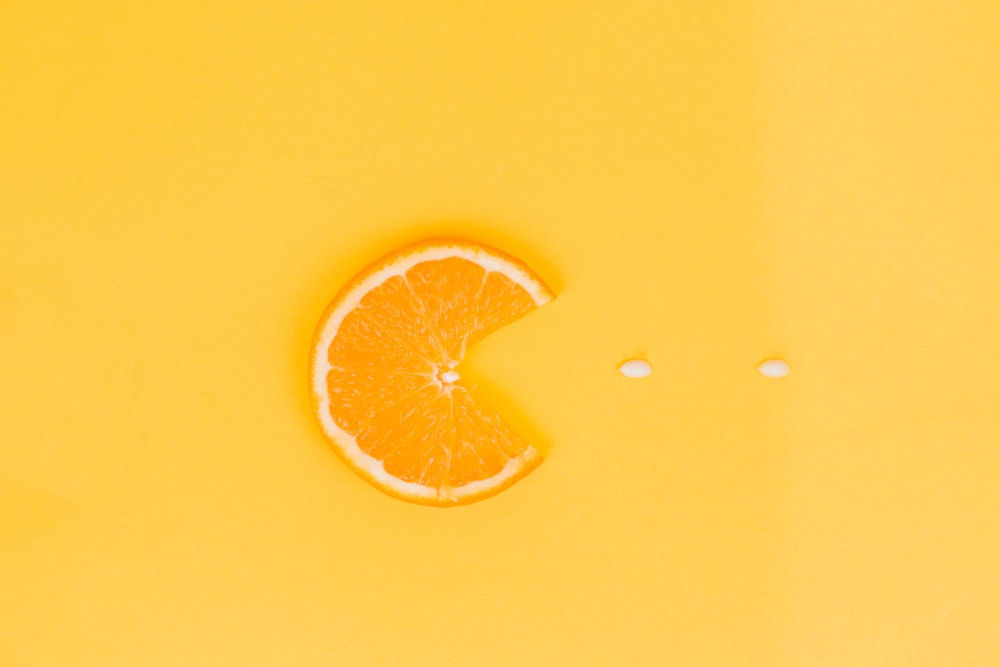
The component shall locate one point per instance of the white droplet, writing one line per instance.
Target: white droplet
(635, 368)
(450, 376)
(774, 368)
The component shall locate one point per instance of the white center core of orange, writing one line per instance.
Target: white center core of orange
(449, 376)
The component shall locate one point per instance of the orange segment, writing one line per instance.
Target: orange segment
(449, 290)
(385, 371)
(502, 301)
(484, 443)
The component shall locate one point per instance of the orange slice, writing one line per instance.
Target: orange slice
(386, 380)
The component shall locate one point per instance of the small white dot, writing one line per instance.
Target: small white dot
(635, 368)
(450, 376)
(774, 368)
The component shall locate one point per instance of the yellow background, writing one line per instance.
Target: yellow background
(185, 184)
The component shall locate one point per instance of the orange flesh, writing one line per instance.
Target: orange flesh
(388, 356)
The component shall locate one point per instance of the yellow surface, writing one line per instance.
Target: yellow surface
(184, 185)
